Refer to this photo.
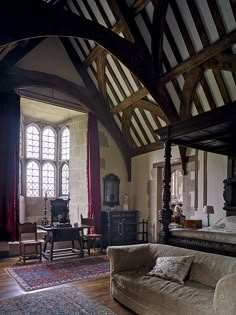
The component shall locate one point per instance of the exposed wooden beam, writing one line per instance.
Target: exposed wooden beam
(206, 42)
(122, 12)
(17, 78)
(157, 34)
(100, 105)
(191, 81)
(131, 55)
(126, 118)
(130, 100)
(101, 60)
(147, 148)
(200, 57)
(222, 61)
(118, 27)
(153, 108)
(21, 49)
(139, 5)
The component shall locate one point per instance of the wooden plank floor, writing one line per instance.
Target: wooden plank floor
(99, 289)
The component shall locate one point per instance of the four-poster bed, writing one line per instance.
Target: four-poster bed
(214, 132)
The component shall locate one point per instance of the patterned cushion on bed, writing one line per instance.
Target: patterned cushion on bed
(228, 223)
(173, 268)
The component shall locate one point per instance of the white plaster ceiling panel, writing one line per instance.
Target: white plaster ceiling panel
(136, 126)
(190, 25)
(229, 82)
(227, 14)
(144, 125)
(174, 28)
(144, 31)
(129, 77)
(214, 88)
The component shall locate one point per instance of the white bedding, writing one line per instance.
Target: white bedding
(209, 234)
(218, 230)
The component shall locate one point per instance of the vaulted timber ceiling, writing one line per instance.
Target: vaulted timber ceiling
(147, 63)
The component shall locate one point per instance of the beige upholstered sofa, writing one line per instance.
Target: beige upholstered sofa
(209, 288)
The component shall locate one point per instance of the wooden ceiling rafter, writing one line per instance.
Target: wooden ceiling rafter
(126, 119)
(206, 42)
(147, 148)
(191, 51)
(21, 49)
(157, 33)
(152, 108)
(101, 60)
(75, 26)
(120, 88)
(118, 27)
(130, 100)
(191, 82)
(143, 114)
(138, 6)
(122, 12)
(200, 57)
(119, 114)
(100, 108)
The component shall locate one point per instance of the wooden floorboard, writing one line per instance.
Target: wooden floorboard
(98, 289)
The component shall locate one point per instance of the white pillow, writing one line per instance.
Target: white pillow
(174, 268)
(228, 223)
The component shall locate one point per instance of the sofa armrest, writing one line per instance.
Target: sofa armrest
(129, 257)
(225, 296)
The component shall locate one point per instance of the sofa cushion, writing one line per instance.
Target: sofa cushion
(206, 268)
(163, 297)
(174, 268)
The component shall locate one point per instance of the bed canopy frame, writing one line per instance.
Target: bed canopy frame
(214, 132)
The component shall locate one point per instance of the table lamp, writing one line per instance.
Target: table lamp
(208, 210)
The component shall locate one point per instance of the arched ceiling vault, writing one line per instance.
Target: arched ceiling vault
(150, 62)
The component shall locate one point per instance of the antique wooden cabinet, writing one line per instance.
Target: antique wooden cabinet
(119, 227)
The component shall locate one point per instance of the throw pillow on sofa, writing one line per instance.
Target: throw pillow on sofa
(173, 268)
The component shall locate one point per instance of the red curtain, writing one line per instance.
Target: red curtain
(9, 165)
(93, 171)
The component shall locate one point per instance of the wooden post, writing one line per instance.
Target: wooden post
(166, 212)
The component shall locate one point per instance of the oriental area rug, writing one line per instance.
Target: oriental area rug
(63, 301)
(44, 275)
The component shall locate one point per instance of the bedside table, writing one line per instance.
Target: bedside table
(193, 223)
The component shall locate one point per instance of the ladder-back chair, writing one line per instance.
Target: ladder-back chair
(29, 241)
(91, 237)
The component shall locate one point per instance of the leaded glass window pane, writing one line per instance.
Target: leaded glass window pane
(49, 144)
(32, 179)
(48, 180)
(32, 142)
(65, 179)
(65, 144)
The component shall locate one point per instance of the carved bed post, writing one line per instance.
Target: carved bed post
(165, 213)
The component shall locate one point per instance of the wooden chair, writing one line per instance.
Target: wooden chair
(90, 237)
(30, 229)
(60, 211)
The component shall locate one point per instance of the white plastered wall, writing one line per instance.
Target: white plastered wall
(112, 162)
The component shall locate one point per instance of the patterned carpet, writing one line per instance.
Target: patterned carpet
(63, 301)
(44, 275)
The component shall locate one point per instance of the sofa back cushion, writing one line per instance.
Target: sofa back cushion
(209, 268)
(131, 257)
(206, 268)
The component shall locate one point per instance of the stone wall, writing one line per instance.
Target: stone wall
(78, 167)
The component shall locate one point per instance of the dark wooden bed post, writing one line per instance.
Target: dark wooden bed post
(165, 213)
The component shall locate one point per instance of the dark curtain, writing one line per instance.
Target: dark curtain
(93, 171)
(9, 165)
